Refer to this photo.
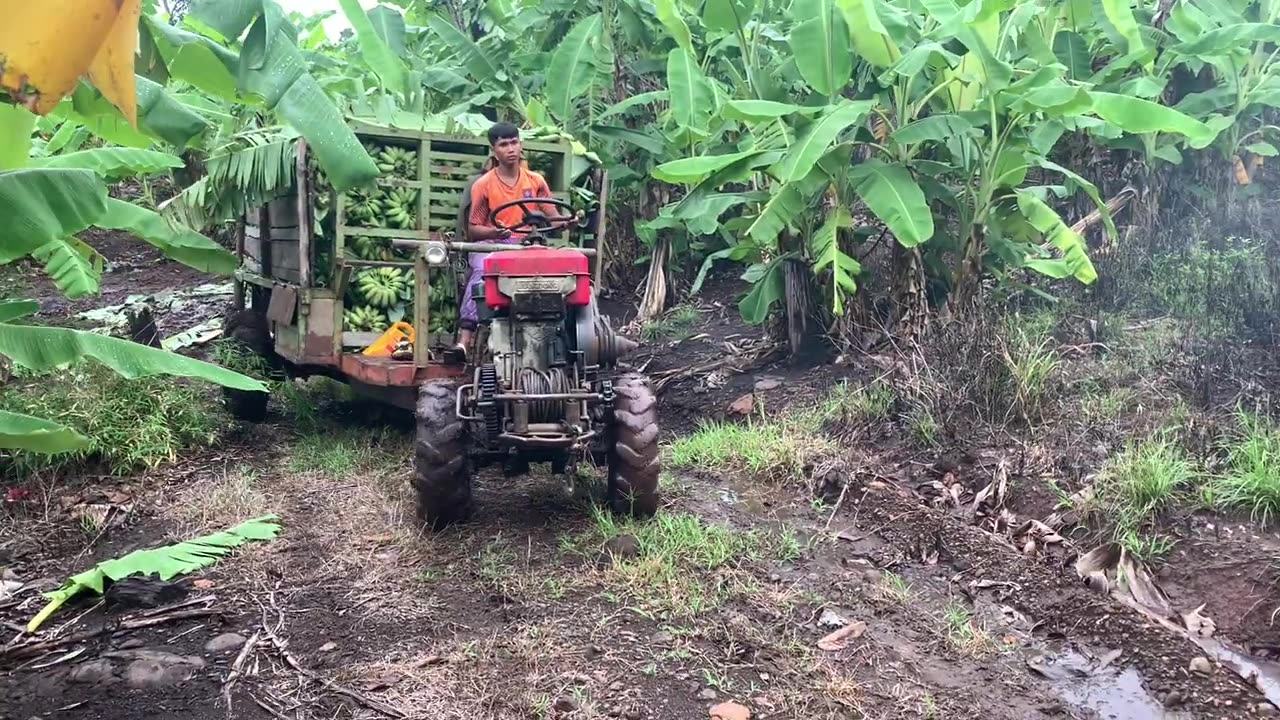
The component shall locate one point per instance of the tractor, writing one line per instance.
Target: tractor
(542, 382)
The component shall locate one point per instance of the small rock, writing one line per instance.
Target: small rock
(871, 576)
(730, 711)
(1174, 699)
(662, 637)
(1201, 665)
(92, 672)
(615, 710)
(616, 686)
(225, 643)
(563, 704)
(830, 618)
(743, 405)
(161, 669)
(775, 578)
(631, 714)
(329, 646)
(767, 383)
(707, 694)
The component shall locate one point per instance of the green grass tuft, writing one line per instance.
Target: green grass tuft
(853, 404)
(765, 449)
(1251, 481)
(677, 324)
(1145, 479)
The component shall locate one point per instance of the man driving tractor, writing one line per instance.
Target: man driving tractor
(508, 180)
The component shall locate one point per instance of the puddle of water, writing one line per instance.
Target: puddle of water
(1265, 675)
(1114, 692)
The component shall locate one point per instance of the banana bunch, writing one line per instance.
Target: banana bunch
(398, 161)
(400, 208)
(363, 318)
(365, 206)
(381, 287)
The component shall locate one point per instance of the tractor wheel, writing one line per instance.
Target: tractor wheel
(250, 331)
(442, 467)
(633, 457)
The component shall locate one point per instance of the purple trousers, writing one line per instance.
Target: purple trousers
(467, 316)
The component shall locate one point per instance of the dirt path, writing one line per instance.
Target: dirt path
(543, 607)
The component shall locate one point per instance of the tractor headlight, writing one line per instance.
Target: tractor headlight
(435, 253)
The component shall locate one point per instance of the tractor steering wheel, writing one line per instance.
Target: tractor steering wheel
(531, 219)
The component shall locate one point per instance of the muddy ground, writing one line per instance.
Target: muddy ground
(543, 607)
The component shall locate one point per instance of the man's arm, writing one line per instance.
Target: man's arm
(478, 228)
(552, 212)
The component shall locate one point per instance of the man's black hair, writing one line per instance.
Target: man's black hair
(502, 131)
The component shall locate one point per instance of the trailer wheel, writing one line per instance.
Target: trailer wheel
(249, 331)
(633, 459)
(442, 467)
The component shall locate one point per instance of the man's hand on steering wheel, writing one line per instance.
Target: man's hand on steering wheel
(530, 222)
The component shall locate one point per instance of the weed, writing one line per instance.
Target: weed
(130, 423)
(923, 426)
(1147, 548)
(1224, 288)
(1108, 405)
(677, 324)
(893, 587)
(852, 404)
(1252, 478)
(1030, 361)
(788, 545)
(963, 636)
(341, 453)
(1144, 479)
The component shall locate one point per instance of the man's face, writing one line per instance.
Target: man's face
(507, 150)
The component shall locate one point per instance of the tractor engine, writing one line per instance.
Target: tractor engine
(543, 389)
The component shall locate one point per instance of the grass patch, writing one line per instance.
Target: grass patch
(677, 324)
(923, 426)
(1108, 405)
(130, 424)
(894, 588)
(764, 448)
(1251, 481)
(343, 452)
(1031, 361)
(1143, 480)
(854, 404)
(684, 566)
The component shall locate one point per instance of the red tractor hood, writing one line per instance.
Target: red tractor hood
(503, 266)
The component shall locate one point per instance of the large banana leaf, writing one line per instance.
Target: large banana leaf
(792, 199)
(820, 43)
(824, 248)
(1075, 259)
(1120, 13)
(691, 170)
(478, 63)
(763, 110)
(893, 195)
(1089, 188)
(819, 136)
(1138, 116)
(390, 27)
(692, 98)
(195, 59)
(112, 162)
(174, 239)
(74, 267)
(727, 15)
(167, 562)
(869, 37)
(161, 115)
(935, 127)
(677, 28)
(385, 65)
(768, 286)
(573, 68)
(11, 310)
(649, 143)
(45, 348)
(43, 205)
(23, 432)
(1072, 51)
(16, 125)
(1232, 37)
(645, 98)
(272, 68)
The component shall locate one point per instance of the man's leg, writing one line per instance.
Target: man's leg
(468, 317)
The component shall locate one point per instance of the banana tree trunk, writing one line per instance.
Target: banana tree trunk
(967, 287)
(911, 305)
(655, 285)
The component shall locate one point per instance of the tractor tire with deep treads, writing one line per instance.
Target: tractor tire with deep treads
(633, 458)
(250, 330)
(442, 467)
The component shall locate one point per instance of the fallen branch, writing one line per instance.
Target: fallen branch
(1114, 205)
(282, 647)
(237, 667)
(738, 363)
(32, 649)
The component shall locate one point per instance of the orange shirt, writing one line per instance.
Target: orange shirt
(491, 190)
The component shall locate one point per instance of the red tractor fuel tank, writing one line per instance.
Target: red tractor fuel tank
(536, 269)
